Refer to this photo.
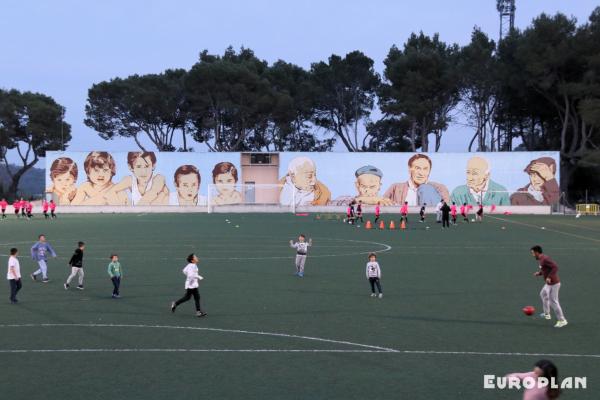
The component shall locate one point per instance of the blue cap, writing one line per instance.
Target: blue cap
(369, 169)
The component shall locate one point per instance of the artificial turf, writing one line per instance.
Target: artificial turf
(458, 290)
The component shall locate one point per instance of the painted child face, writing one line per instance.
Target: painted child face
(63, 182)
(100, 175)
(142, 168)
(368, 185)
(225, 183)
(187, 187)
(536, 181)
(419, 171)
(305, 177)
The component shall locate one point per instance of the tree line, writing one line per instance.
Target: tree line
(538, 89)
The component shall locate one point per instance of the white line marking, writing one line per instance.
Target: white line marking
(546, 229)
(371, 348)
(386, 247)
(409, 352)
(194, 328)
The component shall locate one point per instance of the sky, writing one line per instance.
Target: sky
(62, 47)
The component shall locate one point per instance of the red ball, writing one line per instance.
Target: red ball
(528, 310)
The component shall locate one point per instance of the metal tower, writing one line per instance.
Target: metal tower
(506, 8)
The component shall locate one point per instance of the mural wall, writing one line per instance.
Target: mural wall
(147, 178)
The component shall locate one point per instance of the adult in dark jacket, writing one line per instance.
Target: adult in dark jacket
(445, 215)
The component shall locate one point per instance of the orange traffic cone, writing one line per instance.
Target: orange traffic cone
(403, 225)
(382, 225)
(368, 225)
(392, 225)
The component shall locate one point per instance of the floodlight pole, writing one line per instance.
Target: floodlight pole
(506, 9)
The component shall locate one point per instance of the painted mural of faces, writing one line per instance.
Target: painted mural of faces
(419, 169)
(141, 164)
(304, 175)
(187, 184)
(225, 178)
(63, 174)
(478, 173)
(368, 181)
(100, 167)
(540, 171)
(368, 185)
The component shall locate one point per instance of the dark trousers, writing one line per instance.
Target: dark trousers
(445, 221)
(375, 282)
(46, 214)
(3, 214)
(116, 281)
(15, 286)
(52, 214)
(376, 217)
(189, 293)
(454, 219)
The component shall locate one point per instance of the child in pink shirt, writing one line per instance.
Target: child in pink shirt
(377, 211)
(52, 206)
(404, 211)
(543, 369)
(45, 208)
(3, 205)
(453, 213)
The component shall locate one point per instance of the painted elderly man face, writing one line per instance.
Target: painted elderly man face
(305, 177)
(419, 171)
(368, 185)
(477, 173)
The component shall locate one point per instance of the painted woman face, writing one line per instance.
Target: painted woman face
(225, 183)
(142, 168)
(187, 186)
(100, 175)
(63, 182)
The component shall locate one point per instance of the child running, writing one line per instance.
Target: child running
(463, 211)
(76, 264)
(479, 214)
(374, 275)
(192, 280)
(3, 205)
(115, 272)
(45, 209)
(39, 253)
(52, 206)
(377, 211)
(29, 209)
(301, 247)
(17, 207)
(359, 212)
(422, 213)
(404, 212)
(453, 213)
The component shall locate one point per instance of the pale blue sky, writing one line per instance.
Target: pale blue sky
(62, 47)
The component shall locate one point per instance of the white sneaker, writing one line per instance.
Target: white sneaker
(561, 323)
(545, 316)
(380, 295)
(373, 295)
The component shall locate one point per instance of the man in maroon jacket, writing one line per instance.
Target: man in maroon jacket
(549, 294)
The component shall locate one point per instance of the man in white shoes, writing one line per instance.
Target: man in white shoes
(549, 294)
(192, 280)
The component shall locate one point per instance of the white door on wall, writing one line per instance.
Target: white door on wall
(249, 193)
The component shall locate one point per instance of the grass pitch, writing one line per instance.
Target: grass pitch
(451, 310)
